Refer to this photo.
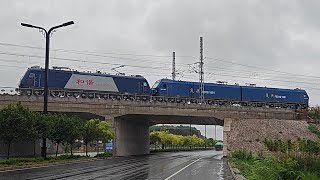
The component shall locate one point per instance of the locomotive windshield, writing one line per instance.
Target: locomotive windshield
(156, 84)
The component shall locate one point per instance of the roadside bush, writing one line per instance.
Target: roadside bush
(266, 167)
(242, 155)
(105, 155)
(309, 164)
(19, 161)
(313, 128)
(32, 161)
(68, 157)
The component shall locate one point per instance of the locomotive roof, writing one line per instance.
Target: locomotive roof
(232, 85)
(88, 73)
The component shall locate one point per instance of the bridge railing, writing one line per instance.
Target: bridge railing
(154, 99)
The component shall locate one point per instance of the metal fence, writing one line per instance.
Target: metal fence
(151, 99)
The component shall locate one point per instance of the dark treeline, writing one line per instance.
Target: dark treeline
(164, 140)
(177, 130)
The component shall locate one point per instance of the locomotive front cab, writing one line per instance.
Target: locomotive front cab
(32, 78)
(155, 88)
(161, 87)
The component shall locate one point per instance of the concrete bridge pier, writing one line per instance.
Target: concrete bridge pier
(226, 134)
(132, 137)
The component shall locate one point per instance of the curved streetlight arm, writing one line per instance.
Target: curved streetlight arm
(59, 26)
(32, 26)
(51, 29)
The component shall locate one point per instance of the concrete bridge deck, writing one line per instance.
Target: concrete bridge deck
(131, 118)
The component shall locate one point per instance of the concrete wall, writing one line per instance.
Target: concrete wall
(20, 149)
(226, 135)
(25, 148)
(132, 137)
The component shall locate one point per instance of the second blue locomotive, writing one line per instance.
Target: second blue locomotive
(166, 87)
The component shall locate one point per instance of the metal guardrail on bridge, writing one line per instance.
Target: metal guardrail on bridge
(151, 99)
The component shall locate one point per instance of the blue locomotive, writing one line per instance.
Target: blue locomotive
(65, 78)
(235, 93)
(167, 87)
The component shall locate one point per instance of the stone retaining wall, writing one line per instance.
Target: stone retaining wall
(249, 134)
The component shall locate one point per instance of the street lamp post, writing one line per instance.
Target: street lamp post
(45, 94)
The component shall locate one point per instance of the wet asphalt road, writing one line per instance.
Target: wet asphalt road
(181, 165)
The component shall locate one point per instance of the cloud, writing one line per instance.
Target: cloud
(276, 35)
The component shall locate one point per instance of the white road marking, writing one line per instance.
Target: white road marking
(182, 169)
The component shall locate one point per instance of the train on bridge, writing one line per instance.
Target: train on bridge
(60, 78)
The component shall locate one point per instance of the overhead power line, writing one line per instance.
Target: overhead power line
(103, 54)
(157, 68)
(77, 60)
(265, 70)
(277, 71)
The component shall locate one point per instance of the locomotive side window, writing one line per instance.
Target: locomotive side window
(32, 75)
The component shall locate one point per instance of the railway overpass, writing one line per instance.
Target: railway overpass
(131, 116)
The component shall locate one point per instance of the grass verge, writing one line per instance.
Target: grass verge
(104, 155)
(268, 166)
(13, 162)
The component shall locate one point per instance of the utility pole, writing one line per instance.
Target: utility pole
(173, 66)
(46, 70)
(201, 75)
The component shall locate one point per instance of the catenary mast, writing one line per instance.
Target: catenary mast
(201, 74)
(173, 66)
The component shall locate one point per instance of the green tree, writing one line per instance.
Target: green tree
(34, 128)
(210, 142)
(164, 138)
(13, 125)
(59, 132)
(176, 140)
(154, 138)
(105, 134)
(90, 132)
(74, 128)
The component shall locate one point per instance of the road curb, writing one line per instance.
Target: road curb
(236, 176)
(35, 166)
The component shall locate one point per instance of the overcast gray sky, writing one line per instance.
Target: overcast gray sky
(272, 43)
